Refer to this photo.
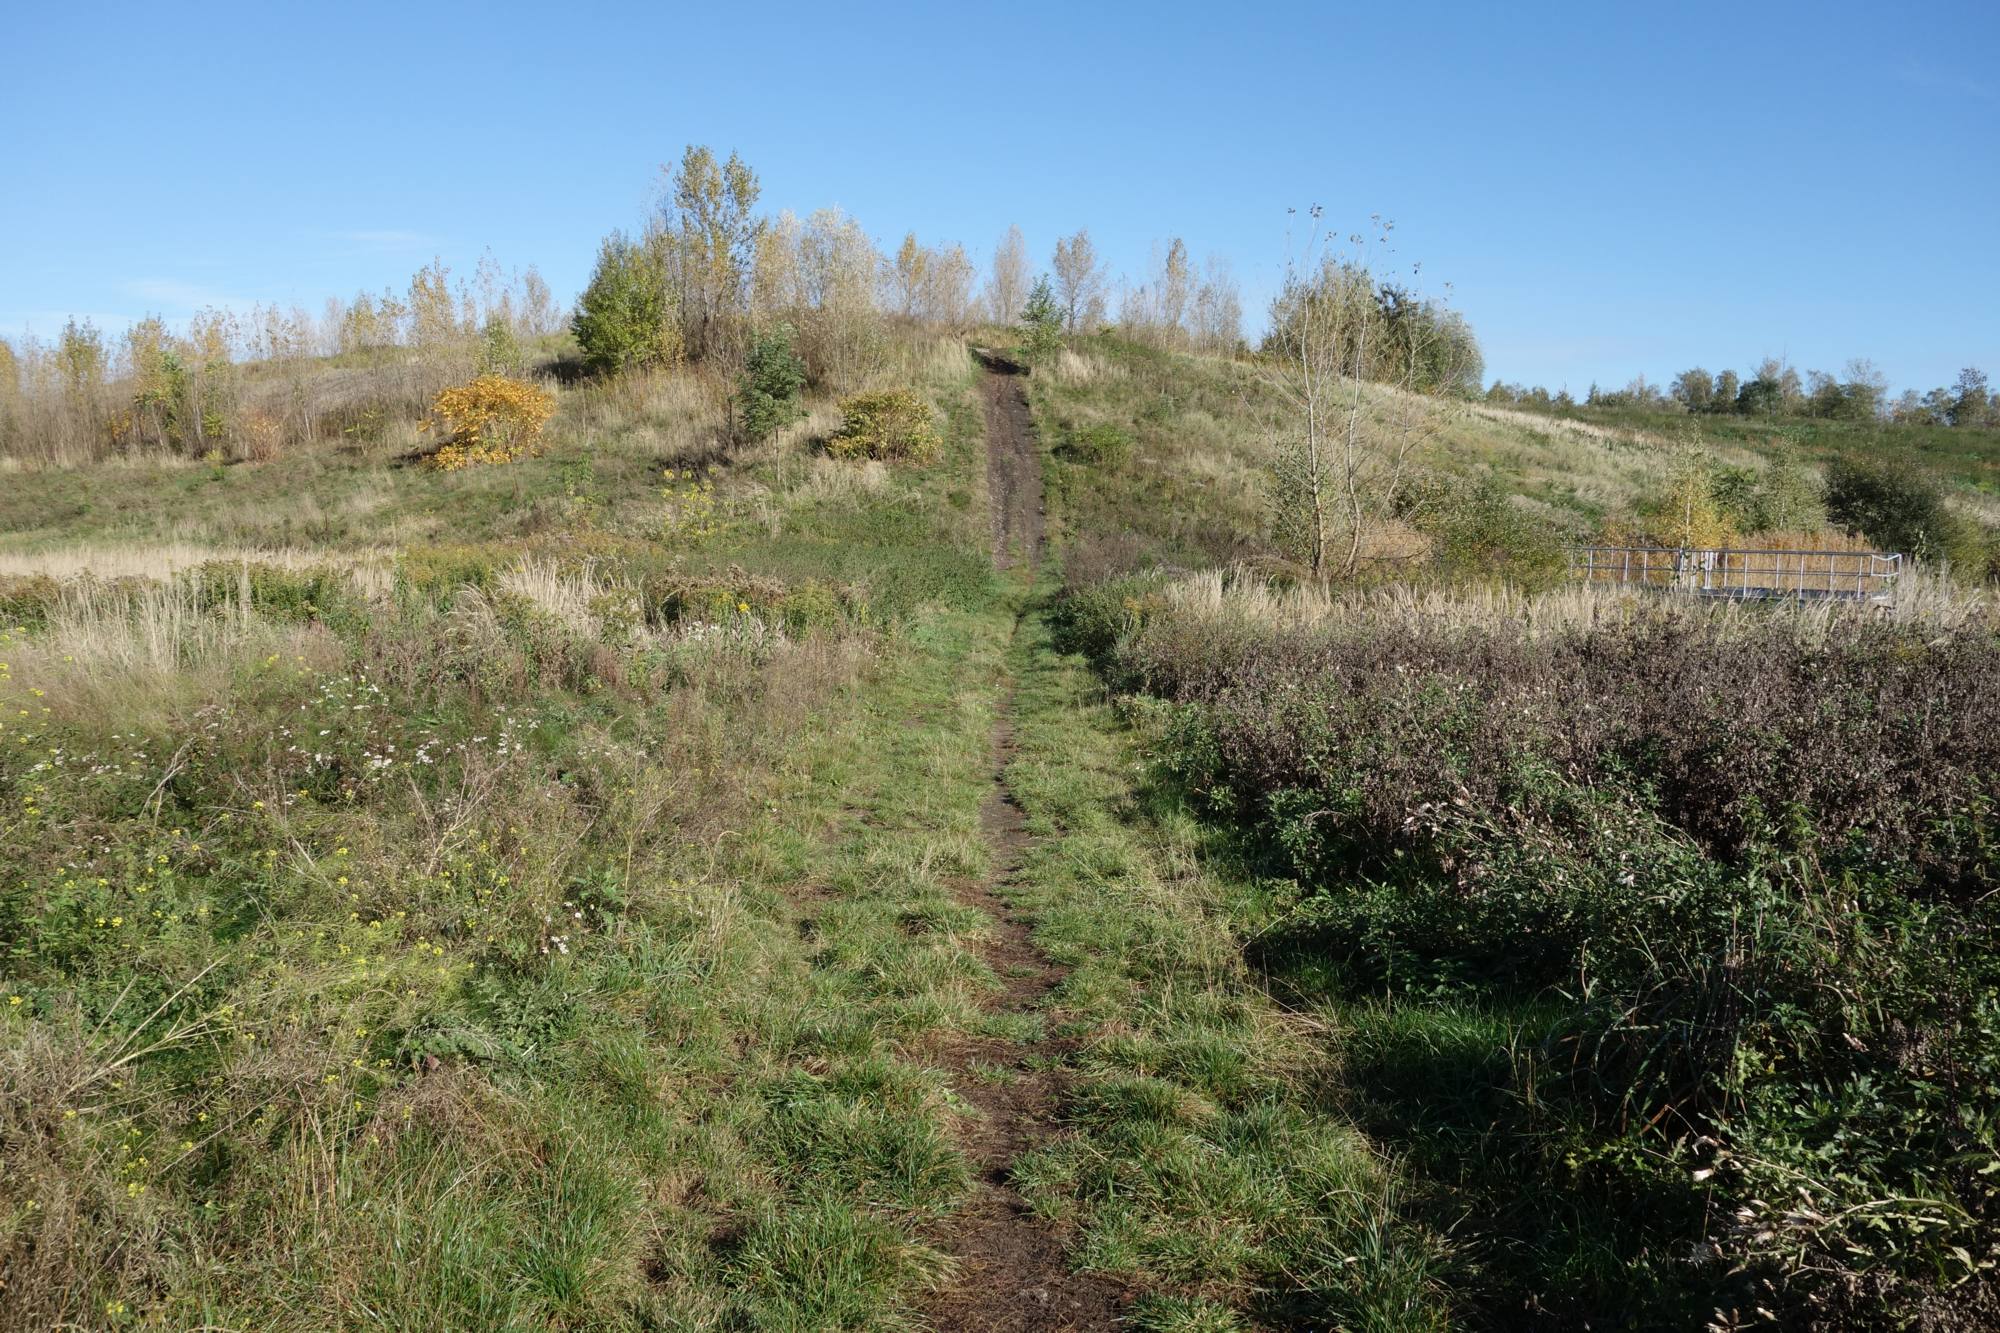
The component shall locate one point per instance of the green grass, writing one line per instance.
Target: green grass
(1205, 1155)
(1969, 457)
(598, 955)
(591, 982)
(539, 903)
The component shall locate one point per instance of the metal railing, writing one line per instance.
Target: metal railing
(1742, 575)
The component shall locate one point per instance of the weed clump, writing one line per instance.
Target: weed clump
(892, 426)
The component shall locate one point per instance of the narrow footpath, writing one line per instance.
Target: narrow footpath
(1013, 1274)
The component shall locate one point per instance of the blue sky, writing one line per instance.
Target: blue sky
(1608, 188)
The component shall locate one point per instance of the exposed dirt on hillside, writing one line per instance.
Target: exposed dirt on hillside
(1013, 1275)
(1013, 469)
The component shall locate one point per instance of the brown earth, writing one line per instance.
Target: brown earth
(1013, 467)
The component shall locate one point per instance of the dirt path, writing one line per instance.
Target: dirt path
(1013, 469)
(1013, 1274)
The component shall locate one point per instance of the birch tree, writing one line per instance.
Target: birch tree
(711, 217)
(1007, 285)
(1351, 449)
(1079, 282)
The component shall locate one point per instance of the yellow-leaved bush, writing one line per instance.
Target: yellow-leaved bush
(893, 425)
(492, 419)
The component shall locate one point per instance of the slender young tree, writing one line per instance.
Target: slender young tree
(1216, 321)
(1041, 323)
(1176, 284)
(1007, 284)
(714, 227)
(1334, 326)
(1079, 282)
(10, 400)
(904, 278)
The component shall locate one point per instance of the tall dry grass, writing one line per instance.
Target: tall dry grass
(136, 652)
(1926, 598)
(680, 413)
(163, 560)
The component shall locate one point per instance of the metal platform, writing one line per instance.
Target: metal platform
(1744, 575)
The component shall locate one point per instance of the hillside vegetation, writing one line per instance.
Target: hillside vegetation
(802, 801)
(1654, 939)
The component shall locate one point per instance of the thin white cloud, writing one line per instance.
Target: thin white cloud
(175, 294)
(387, 240)
(1921, 74)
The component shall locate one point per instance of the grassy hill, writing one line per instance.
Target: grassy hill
(673, 882)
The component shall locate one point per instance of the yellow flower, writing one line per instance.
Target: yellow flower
(744, 607)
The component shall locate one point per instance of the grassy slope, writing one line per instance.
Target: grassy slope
(1968, 458)
(725, 1097)
(622, 991)
(1427, 1073)
(707, 1105)
(1202, 430)
(1191, 490)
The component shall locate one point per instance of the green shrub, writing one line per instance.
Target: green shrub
(768, 395)
(893, 425)
(1477, 531)
(1781, 498)
(1092, 618)
(811, 605)
(438, 571)
(1900, 508)
(499, 349)
(625, 317)
(317, 593)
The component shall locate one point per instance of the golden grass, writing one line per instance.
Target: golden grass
(1924, 599)
(163, 560)
(838, 483)
(924, 358)
(1073, 369)
(677, 413)
(576, 597)
(134, 653)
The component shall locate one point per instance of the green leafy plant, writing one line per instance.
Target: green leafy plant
(625, 318)
(1898, 507)
(1102, 445)
(767, 397)
(1041, 323)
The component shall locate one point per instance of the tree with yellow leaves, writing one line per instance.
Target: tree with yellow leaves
(492, 419)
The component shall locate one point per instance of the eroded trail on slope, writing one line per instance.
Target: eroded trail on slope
(1013, 469)
(1013, 1274)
